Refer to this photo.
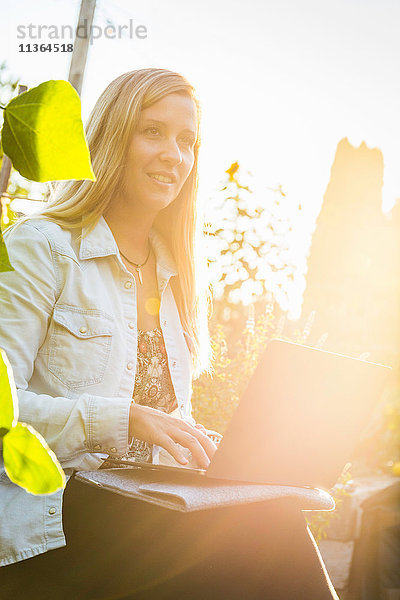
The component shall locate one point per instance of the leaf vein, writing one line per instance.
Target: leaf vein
(17, 142)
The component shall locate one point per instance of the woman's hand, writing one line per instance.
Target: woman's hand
(156, 427)
(201, 428)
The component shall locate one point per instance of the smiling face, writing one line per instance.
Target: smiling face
(161, 153)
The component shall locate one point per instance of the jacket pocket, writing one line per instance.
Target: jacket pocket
(80, 345)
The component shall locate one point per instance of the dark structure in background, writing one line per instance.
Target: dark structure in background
(353, 279)
(375, 572)
(353, 284)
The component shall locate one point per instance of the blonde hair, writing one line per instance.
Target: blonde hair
(78, 204)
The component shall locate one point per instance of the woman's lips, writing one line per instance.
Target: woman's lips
(162, 183)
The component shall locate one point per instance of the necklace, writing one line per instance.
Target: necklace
(136, 265)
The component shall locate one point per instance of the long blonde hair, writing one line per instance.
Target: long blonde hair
(78, 204)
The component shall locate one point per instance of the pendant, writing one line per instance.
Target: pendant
(140, 275)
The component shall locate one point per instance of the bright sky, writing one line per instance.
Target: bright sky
(280, 81)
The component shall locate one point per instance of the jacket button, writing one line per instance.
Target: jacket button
(128, 284)
(129, 366)
(82, 329)
(174, 363)
(131, 325)
(52, 510)
(113, 450)
(97, 447)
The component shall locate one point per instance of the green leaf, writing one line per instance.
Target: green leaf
(8, 395)
(5, 264)
(43, 133)
(30, 463)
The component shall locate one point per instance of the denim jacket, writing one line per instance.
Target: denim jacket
(68, 323)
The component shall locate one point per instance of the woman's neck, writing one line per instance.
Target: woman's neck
(130, 230)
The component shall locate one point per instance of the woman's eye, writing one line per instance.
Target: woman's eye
(188, 141)
(152, 130)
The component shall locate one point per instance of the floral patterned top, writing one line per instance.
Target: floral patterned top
(153, 385)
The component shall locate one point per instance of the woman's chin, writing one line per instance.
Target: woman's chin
(158, 202)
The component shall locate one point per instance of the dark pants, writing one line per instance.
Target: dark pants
(122, 548)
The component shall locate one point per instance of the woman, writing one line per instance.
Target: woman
(104, 306)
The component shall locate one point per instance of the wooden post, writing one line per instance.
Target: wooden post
(4, 174)
(6, 164)
(79, 54)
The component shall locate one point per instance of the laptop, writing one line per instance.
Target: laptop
(299, 419)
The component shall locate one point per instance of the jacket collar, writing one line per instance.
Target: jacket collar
(100, 242)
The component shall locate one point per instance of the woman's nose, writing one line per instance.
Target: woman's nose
(171, 152)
